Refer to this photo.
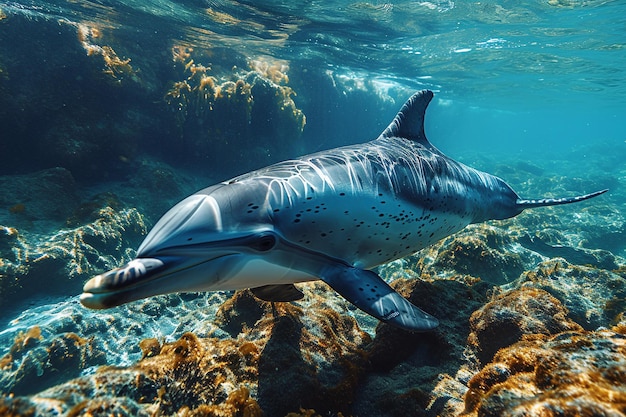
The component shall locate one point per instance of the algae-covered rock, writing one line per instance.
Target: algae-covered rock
(57, 264)
(68, 99)
(486, 251)
(416, 373)
(572, 373)
(594, 297)
(309, 350)
(512, 315)
(37, 361)
(228, 118)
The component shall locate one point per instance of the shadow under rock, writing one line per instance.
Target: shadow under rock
(407, 367)
(284, 376)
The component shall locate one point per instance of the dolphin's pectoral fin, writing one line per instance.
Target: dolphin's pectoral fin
(278, 293)
(366, 290)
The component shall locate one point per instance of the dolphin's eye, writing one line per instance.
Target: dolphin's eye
(265, 243)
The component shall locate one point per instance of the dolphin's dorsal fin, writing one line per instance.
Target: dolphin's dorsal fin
(409, 122)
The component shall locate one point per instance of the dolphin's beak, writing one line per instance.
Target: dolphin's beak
(118, 285)
(146, 277)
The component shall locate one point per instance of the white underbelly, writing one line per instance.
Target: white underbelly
(257, 272)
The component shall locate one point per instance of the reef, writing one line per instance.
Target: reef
(317, 358)
(246, 111)
(512, 315)
(113, 101)
(571, 373)
(51, 265)
(531, 311)
(233, 354)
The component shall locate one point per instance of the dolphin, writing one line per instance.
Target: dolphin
(332, 215)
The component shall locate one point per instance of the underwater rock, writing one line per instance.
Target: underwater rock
(512, 315)
(416, 373)
(574, 373)
(36, 362)
(240, 312)
(39, 201)
(246, 114)
(91, 119)
(57, 264)
(593, 296)
(485, 251)
(318, 360)
(481, 256)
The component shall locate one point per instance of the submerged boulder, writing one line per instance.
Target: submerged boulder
(505, 320)
(572, 373)
(57, 264)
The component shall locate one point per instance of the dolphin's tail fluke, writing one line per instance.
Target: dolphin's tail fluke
(524, 204)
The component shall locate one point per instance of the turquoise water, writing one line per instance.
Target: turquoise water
(93, 148)
(530, 72)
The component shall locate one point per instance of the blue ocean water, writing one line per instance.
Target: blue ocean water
(534, 91)
(511, 75)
